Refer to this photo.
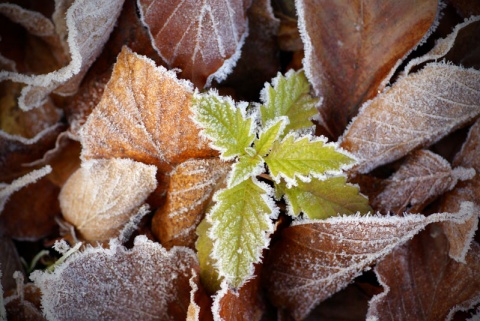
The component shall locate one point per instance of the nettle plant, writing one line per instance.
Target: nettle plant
(268, 142)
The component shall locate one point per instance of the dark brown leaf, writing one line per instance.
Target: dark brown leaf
(24, 306)
(9, 263)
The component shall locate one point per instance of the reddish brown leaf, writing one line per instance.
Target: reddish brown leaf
(350, 48)
(144, 283)
(199, 308)
(9, 263)
(144, 114)
(422, 177)
(313, 260)
(203, 38)
(192, 185)
(422, 282)
(24, 306)
(102, 196)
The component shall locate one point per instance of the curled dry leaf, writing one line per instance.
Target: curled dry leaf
(144, 114)
(100, 198)
(422, 177)
(89, 25)
(350, 48)
(460, 236)
(144, 283)
(417, 111)
(203, 38)
(315, 259)
(190, 190)
(436, 285)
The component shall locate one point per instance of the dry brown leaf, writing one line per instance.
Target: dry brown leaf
(191, 187)
(144, 283)
(350, 48)
(144, 114)
(89, 25)
(422, 177)
(421, 282)
(417, 111)
(199, 308)
(313, 260)
(24, 304)
(460, 236)
(9, 263)
(102, 196)
(202, 38)
(29, 214)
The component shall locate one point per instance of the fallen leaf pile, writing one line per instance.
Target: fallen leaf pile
(106, 176)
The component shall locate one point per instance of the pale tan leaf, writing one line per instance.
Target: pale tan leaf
(416, 111)
(315, 259)
(144, 114)
(190, 190)
(351, 46)
(421, 282)
(460, 236)
(422, 177)
(202, 38)
(144, 283)
(89, 25)
(100, 198)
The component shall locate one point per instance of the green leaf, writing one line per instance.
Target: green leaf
(240, 226)
(289, 97)
(204, 245)
(247, 166)
(226, 125)
(320, 199)
(270, 134)
(291, 159)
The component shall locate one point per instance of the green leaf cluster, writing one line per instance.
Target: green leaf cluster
(274, 139)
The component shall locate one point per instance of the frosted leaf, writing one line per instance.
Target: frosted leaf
(350, 47)
(10, 262)
(34, 22)
(190, 190)
(200, 302)
(246, 167)
(271, 132)
(24, 303)
(420, 279)
(202, 38)
(416, 111)
(315, 259)
(240, 228)
(101, 196)
(89, 25)
(8, 189)
(144, 114)
(460, 236)
(422, 177)
(144, 283)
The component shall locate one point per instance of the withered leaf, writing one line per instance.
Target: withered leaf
(24, 304)
(203, 38)
(421, 282)
(191, 187)
(89, 25)
(416, 111)
(100, 198)
(422, 177)
(10, 262)
(350, 48)
(144, 114)
(460, 235)
(315, 259)
(144, 283)
(199, 308)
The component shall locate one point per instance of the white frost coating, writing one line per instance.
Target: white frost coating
(85, 41)
(117, 283)
(193, 306)
(307, 44)
(442, 46)
(61, 246)
(132, 224)
(3, 312)
(229, 64)
(463, 174)
(32, 177)
(224, 288)
(33, 21)
(30, 141)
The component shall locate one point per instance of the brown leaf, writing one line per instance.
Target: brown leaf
(417, 111)
(29, 214)
(102, 196)
(9, 263)
(144, 114)
(460, 236)
(422, 177)
(144, 283)
(199, 308)
(192, 185)
(202, 38)
(24, 306)
(421, 282)
(350, 48)
(315, 259)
